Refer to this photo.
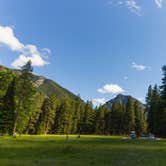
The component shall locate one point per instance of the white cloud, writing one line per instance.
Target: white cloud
(27, 52)
(99, 101)
(159, 3)
(138, 67)
(111, 88)
(8, 38)
(133, 7)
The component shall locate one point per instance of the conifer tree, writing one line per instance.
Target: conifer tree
(8, 109)
(76, 114)
(63, 119)
(117, 119)
(107, 121)
(149, 98)
(140, 124)
(7, 102)
(100, 121)
(46, 119)
(24, 97)
(154, 111)
(88, 119)
(129, 117)
(33, 122)
(162, 116)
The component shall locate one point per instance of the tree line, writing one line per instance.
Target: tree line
(156, 107)
(25, 110)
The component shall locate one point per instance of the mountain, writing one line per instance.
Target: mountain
(46, 86)
(121, 99)
(50, 87)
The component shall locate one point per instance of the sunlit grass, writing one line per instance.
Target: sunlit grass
(54, 150)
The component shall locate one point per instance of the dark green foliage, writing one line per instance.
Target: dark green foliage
(87, 123)
(102, 120)
(8, 109)
(163, 86)
(153, 108)
(123, 100)
(162, 116)
(76, 115)
(27, 67)
(32, 126)
(117, 118)
(34, 105)
(140, 121)
(46, 118)
(123, 119)
(24, 99)
(149, 97)
(156, 108)
(7, 104)
(162, 123)
(63, 118)
(129, 117)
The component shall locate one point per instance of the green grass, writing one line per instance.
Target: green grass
(86, 151)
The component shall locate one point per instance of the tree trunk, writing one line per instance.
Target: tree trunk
(27, 129)
(16, 119)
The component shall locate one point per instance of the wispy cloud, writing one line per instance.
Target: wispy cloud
(132, 5)
(111, 88)
(159, 3)
(138, 67)
(99, 101)
(27, 51)
(126, 78)
(47, 50)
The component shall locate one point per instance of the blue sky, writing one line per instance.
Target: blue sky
(95, 48)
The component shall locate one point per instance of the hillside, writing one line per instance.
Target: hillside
(47, 86)
(37, 114)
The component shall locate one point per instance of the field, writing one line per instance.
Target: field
(87, 151)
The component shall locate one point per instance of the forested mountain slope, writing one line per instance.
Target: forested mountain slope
(123, 100)
(32, 104)
(47, 86)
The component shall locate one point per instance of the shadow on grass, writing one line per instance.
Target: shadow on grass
(81, 152)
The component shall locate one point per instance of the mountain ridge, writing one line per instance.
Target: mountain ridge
(122, 99)
(50, 87)
(46, 86)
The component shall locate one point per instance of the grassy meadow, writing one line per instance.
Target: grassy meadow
(53, 150)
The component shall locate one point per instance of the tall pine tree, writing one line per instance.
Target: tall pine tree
(162, 124)
(129, 117)
(24, 97)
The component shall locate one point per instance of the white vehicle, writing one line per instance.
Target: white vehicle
(132, 135)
